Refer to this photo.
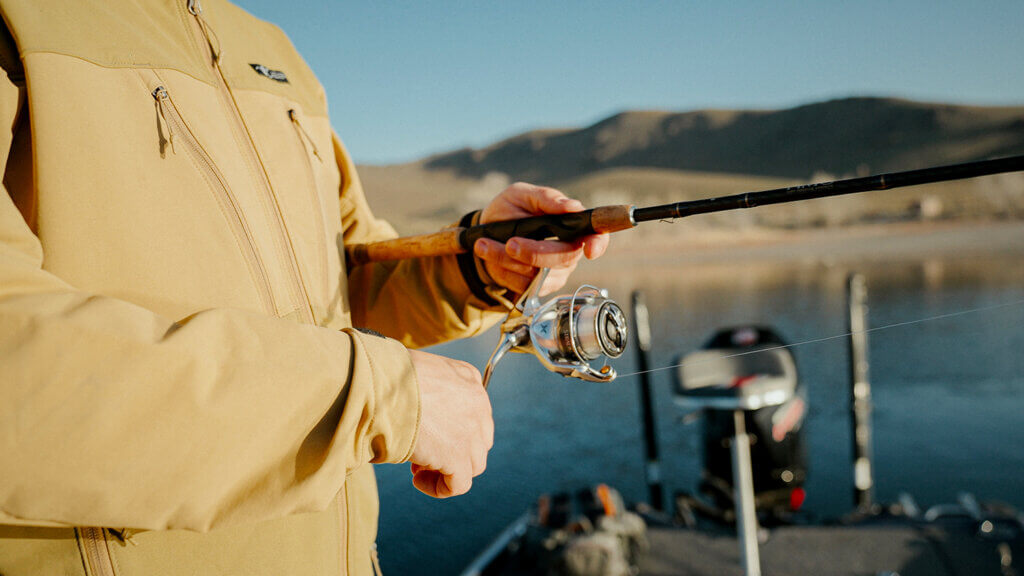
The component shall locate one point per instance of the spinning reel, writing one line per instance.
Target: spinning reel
(565, 333)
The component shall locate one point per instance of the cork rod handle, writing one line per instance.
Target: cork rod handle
(452, 241)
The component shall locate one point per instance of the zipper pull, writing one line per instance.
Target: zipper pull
(195, 8)
(124, 535)
(303, 134)
(162, 99)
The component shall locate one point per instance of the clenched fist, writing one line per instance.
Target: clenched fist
(456, 428)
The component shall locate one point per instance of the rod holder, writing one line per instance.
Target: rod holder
(860, 393)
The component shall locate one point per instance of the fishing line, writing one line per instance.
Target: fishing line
(837, 336)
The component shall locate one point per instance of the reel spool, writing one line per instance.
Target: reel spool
(566, 333)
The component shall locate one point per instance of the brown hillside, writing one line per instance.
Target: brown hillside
(839, 137)
(651, 157)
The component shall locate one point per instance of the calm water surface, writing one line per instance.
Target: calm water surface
(948, 397)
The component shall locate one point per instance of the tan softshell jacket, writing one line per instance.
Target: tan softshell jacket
(181, 391)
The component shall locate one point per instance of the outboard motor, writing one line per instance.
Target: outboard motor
(745, 369)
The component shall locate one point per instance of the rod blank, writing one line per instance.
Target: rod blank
(834, 188)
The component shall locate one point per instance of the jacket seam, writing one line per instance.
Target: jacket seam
(118, 65)
(341, 524)
(161, 66)
(347, 555)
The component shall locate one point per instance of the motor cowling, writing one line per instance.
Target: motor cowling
(747, 367)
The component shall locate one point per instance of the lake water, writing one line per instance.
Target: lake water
(948, 395)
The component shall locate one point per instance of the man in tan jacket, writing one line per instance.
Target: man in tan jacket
(183, 391)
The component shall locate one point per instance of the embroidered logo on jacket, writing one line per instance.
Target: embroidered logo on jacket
(272, 74)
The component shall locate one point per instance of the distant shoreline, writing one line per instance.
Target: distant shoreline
(864, 242)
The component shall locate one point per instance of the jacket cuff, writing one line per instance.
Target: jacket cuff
(394, 419)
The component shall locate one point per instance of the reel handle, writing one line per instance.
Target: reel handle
(509, 340)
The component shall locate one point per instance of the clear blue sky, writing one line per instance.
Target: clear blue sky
(406, 79)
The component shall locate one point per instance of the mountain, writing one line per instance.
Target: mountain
(842, 137)
(653, 157)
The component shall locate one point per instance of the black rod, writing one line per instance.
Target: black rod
(652, 462)
(607, 219)
(834, 188)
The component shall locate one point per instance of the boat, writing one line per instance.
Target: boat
(746, 516)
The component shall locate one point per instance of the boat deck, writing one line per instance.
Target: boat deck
(885, 548)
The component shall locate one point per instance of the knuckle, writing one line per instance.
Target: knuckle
(461, 483)
(488, 438)
(519, 268)
(507, 260)
(479, 462)
(467, 370)
(533, 259)
(551, 193)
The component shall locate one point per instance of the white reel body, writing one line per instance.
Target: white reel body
(565, 333)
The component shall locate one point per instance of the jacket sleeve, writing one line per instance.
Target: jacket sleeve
(115, 416)
(419, 302)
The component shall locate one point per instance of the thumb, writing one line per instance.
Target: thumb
(544, 200)
(432, 483)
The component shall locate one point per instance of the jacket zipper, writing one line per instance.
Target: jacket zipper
(283, 239)
(94, 548)
(179, 131)
(321, 225)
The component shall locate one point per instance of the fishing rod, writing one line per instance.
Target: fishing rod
(568, 332)
(607, 219)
